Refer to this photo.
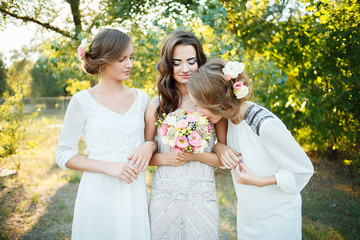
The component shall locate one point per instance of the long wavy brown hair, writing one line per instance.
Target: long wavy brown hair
(169, 94)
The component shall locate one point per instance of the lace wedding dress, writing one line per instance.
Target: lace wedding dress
(183, 203)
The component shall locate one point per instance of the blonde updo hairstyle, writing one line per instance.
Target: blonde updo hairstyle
(212, 92)
(107, 46)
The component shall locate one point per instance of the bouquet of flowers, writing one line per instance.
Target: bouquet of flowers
(185, 131)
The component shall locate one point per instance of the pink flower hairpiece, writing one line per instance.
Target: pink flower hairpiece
(231, 70)
(227, 77)
(83, 48)
(240, 90)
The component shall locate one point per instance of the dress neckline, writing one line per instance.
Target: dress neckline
(109, 110)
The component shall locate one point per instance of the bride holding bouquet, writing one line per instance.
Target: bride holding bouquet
(183, 203)
(185, 131)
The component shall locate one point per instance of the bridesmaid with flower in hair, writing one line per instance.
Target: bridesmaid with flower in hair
(111, 202)
(272, 168)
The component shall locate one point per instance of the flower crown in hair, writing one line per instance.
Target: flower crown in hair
(83, 48)
(231, 70)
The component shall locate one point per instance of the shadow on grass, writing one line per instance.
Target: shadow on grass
(331, 204)
(9, 204)
(56, 222)
(23, 216)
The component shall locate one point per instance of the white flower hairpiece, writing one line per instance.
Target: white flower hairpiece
(231, 70)
(84, 48)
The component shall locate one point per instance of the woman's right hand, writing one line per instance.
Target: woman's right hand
(227, 155)
(141, 156)
(122, 170)
(185, 157)
(174, 159)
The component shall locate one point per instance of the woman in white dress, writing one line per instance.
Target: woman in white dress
(272, 169)
(112, 197)
(183, 203)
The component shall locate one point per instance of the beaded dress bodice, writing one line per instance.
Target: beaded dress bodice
(184, 182)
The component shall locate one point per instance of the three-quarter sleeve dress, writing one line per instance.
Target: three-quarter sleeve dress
(268, 148)
(106, 207)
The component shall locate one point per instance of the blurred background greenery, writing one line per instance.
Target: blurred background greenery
(303, 58)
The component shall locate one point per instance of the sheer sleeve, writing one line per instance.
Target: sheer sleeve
(71, 132)
(296, 168)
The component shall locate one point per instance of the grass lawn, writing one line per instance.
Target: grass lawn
(37, 203)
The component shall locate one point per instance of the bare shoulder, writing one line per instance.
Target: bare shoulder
(151, 108)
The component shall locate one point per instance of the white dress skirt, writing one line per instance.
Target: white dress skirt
(272, 212)
(106, 207)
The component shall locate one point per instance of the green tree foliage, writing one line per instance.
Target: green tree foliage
(3, 84)
(11, 125)
(88, 15)
(304, 65)
(85, 19)
(303, 56)
(19, 75)
(44, 81)
(45, 14)
(329, 73)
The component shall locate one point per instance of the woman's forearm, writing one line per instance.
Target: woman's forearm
(84, 164)
(208, 158)
(165, 159)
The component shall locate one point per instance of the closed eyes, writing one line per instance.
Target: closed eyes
(190, 62)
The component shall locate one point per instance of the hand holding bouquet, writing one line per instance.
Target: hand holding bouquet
(185, 131)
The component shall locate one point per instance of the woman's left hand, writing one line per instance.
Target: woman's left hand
(140, 157)
(243, 175)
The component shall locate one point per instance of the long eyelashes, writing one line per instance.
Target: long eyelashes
(192, 62)
(131, 58)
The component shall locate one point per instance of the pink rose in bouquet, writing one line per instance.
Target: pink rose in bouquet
(163, 130)
(195, 139)
(192, 118)
(182, 123)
